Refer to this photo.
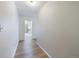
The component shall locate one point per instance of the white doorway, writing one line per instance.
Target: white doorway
(28, 28)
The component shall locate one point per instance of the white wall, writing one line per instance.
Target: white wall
(35, 27)
(21, 28)
(26, 26)
(57, 29)
(9, 34)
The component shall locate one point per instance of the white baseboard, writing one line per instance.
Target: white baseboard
(43, 49)
(15, 50)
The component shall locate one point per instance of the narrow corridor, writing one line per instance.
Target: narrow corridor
(29, 49)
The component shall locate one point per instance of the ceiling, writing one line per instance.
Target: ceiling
(24, 9)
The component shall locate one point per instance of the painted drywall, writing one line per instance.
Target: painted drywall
(34, 27)
(26, 26)
(22, 27)
(57, 29)
(9, 34)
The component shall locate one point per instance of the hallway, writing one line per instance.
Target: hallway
(29, 49)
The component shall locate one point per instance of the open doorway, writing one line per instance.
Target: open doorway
(28, 28)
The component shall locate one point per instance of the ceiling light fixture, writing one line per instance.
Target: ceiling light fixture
(32, 3)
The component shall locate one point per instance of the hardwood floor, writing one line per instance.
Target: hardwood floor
(29, 49)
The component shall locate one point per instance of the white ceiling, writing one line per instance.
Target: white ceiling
(30, 11)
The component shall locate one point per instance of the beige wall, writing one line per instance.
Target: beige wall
(9, 34)
(57, 28)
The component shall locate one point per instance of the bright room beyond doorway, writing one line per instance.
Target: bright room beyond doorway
(28, 28)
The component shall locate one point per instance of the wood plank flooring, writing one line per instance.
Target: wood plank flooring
(29, 49)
